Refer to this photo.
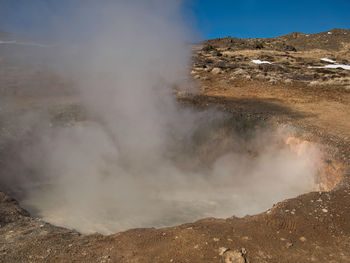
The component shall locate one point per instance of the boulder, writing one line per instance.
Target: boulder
(216, 71)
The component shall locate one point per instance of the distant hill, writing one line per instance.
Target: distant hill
(329, 40)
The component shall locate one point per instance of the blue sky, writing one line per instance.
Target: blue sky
(211, 19)
(267, 18)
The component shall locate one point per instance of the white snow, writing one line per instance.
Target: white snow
(258, 61)
(328, 60)
(329, 33)
(335, 66)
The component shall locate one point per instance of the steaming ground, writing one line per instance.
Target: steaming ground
(92, 138)
(139, 159)
(214, 172)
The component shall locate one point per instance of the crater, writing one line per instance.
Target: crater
(224, 166)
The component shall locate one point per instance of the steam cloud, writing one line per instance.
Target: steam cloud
(140, 159)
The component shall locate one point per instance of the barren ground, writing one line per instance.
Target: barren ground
(313, 227)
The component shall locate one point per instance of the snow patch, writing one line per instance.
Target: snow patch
(328, 60)
(258, 61)
(334, 66)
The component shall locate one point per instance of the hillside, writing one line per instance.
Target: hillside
(333, 40)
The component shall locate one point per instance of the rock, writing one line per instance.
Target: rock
(197, 77)
(260, 77)
(207, 48)
(273, 81)
(258, 45)
(222, 250)
(216, 71)
(218, 54)
(239, 72)
(233, 256)
(220, 64)
(314, 83)
(286, 47)
(289, 244)
(271, 67)
(231, 66)
(302, 239)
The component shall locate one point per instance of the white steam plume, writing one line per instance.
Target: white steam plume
(135, 161)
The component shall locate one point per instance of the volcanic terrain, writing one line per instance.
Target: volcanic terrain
(300, 81)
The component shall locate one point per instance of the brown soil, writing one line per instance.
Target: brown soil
(314, 227)
(311, 228)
